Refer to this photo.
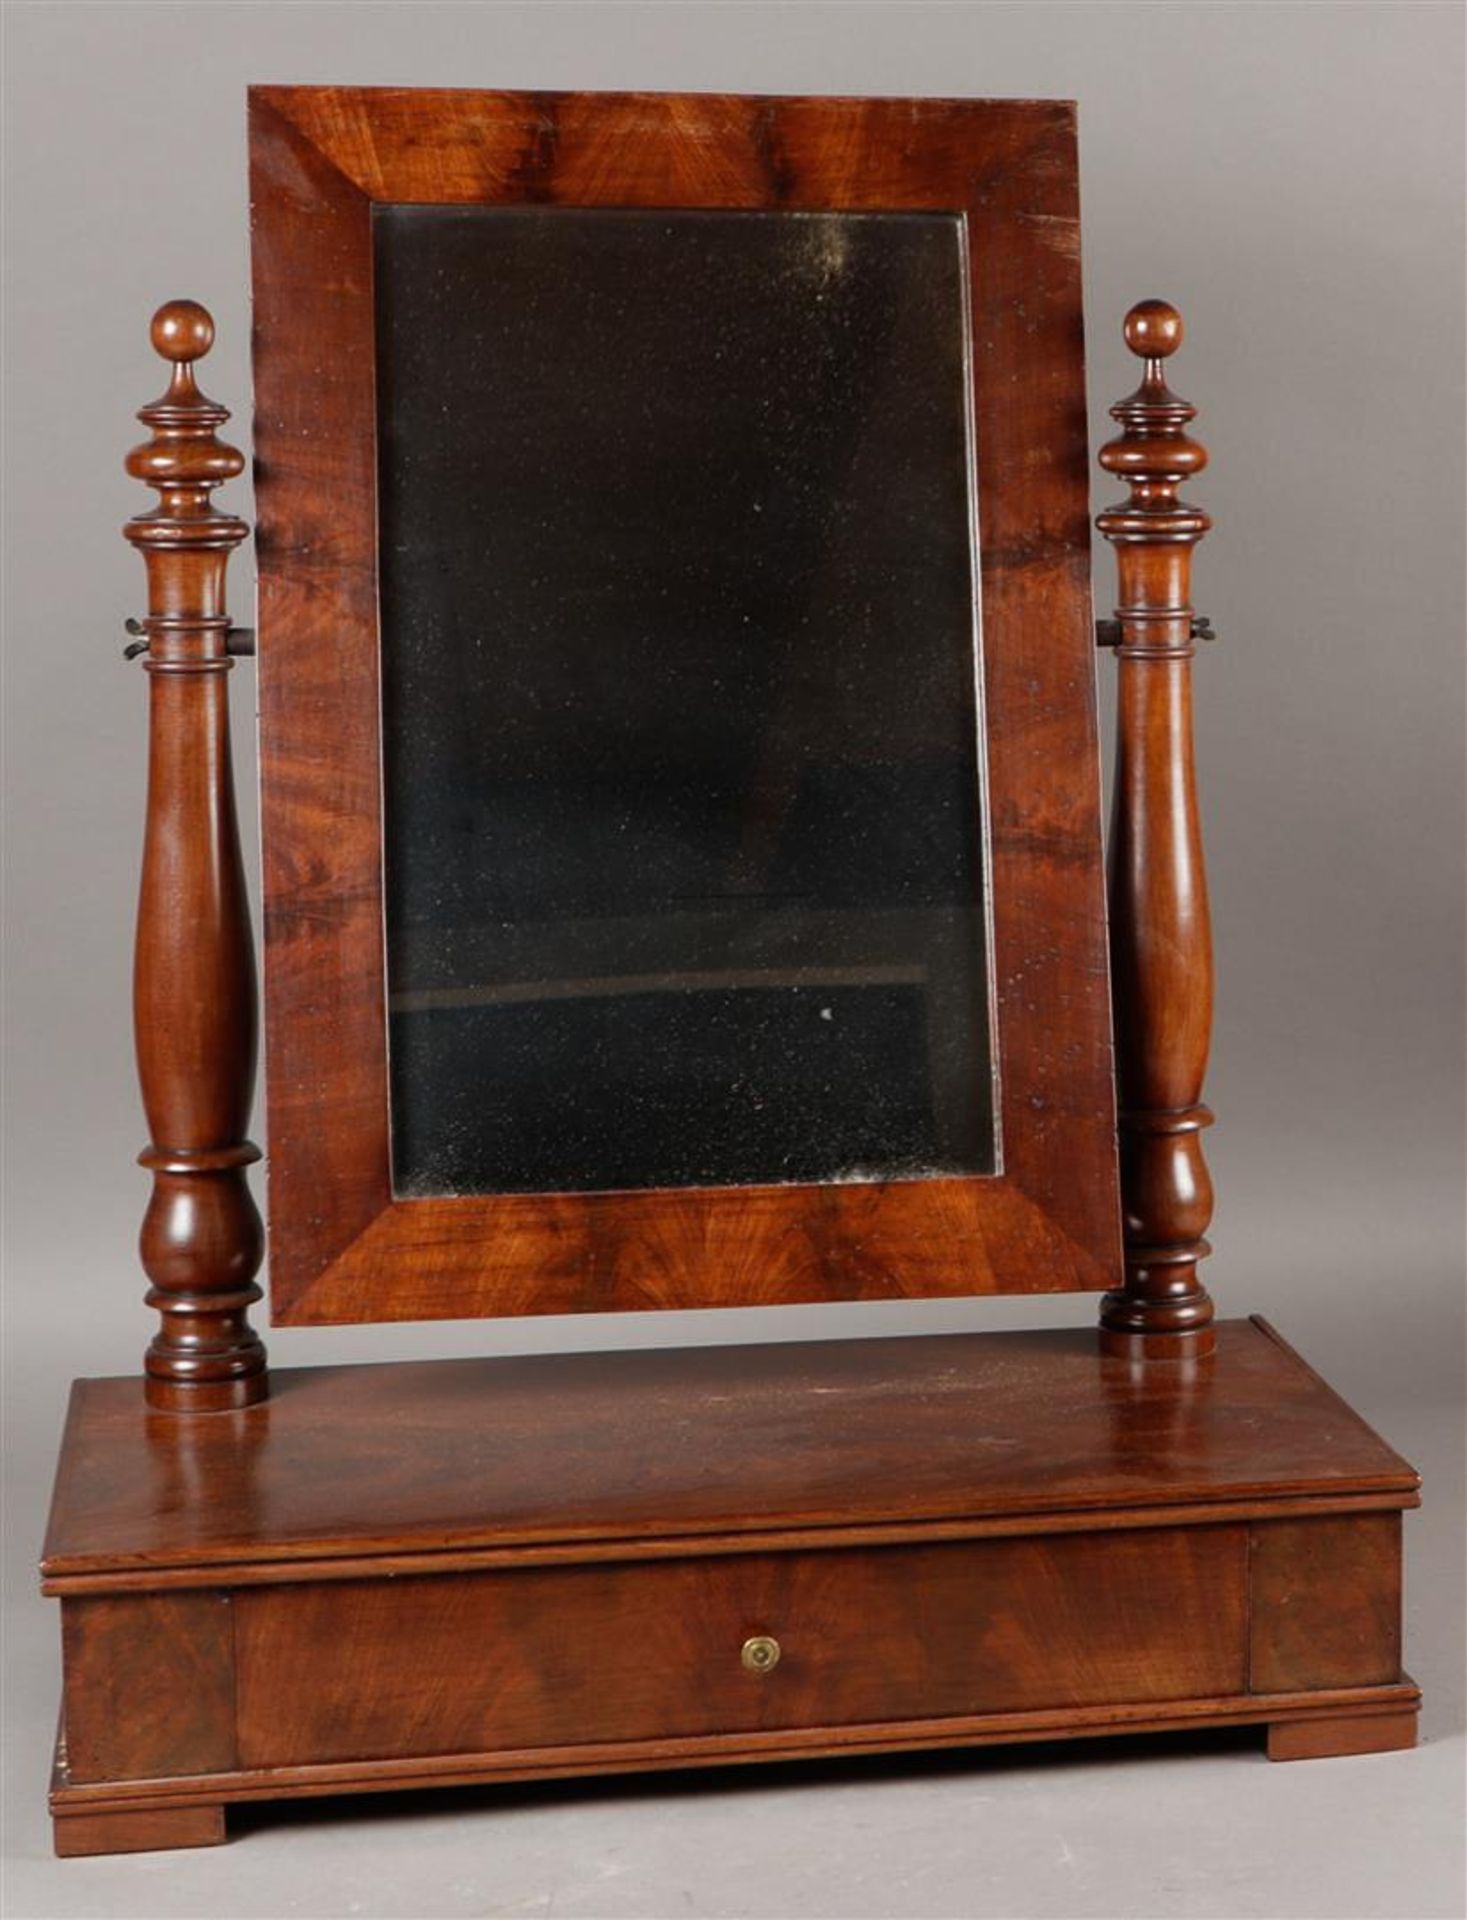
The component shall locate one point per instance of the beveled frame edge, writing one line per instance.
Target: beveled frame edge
(343, 1249)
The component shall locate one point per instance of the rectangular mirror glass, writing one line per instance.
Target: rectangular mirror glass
(683, 826)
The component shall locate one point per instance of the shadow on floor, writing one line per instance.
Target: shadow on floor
(790, 1775)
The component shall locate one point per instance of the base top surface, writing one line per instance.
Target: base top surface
(427, 1456)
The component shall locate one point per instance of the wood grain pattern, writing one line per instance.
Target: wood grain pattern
(1326, 1603)
(149, 1685)
(194, 962)
(638, 1449)
(342, 1247)
(602, 1654)
(1160, 925)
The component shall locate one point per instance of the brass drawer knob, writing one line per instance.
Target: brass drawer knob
(760, 1653)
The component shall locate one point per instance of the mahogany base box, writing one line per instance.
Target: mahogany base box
(474, 1570)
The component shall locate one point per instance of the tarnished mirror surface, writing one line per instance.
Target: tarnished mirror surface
(683, 809)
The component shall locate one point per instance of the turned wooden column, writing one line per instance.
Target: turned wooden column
(1160, 932)
(194, 971)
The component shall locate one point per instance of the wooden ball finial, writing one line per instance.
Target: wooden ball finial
(182, 330)
(185, 459)
(1153, 329)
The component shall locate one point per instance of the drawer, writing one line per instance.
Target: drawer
(629, 1651)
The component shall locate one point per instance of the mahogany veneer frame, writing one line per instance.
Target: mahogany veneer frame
(343, 1248)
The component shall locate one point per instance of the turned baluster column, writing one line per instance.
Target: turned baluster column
(1161, 936)
(194, 972)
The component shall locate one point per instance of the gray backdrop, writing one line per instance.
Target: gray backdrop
(1291, 175)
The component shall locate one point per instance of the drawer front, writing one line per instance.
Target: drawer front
(571, 1656)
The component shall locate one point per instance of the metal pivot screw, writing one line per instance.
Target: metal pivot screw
(239, 642)
(760, 1653)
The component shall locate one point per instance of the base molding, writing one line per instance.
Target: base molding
(1093, 1549)
(1343, 1714)
(138, 1816)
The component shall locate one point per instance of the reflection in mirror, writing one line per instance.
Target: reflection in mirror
(683, 830)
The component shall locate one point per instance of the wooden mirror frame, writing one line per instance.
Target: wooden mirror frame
(343, 1248)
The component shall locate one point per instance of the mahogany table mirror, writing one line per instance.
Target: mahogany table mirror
(682, 888)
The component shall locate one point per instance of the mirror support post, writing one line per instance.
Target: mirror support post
(194, 971)
(1160, 931)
